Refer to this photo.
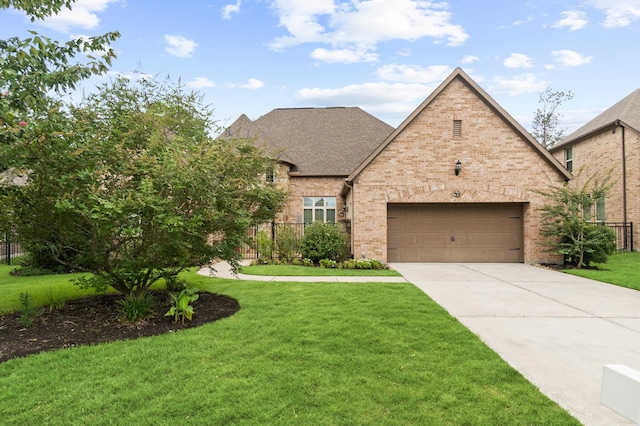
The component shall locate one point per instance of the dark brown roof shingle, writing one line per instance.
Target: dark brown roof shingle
(317, 141)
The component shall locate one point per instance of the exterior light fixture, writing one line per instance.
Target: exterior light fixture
(458, 167)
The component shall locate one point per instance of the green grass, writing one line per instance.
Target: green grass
(307, 271)
(43, 289)
(295, 354)
(621, 269)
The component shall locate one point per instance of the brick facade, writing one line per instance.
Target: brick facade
(417, 166)
(600, 153)
(299, 187)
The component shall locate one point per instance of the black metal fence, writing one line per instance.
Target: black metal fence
(278, 240)
(9, 251)
(624, 235)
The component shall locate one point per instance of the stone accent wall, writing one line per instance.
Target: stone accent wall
(418, 167)
(602, 153)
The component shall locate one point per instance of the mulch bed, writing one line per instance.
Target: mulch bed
(94, 319)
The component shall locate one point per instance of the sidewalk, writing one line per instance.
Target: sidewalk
(223, 270)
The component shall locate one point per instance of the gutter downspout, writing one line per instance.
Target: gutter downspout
(624, 180)
(349, 185)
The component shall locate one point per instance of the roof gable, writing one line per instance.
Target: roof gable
(317, 141)
(626, 110)
(458, 73)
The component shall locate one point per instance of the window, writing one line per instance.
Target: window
(600, 216)
(568, 159)
(457, 128)
(319, 209)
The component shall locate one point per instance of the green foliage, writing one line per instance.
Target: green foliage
(129, 185)
(55, 299)
(136, 307)
(324, 241)
(546, 119)
(363, 264)
(182, 308)
(287, 244)
(265, 245)
(328, 263)
(28, 311)
(567, 221)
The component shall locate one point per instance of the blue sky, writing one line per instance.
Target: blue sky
(385, 56)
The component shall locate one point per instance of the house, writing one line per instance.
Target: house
(610, 142)
(455, 182)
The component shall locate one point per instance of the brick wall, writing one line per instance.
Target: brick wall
(418, 167)
(300, 187)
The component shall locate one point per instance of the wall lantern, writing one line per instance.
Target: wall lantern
(458, 167)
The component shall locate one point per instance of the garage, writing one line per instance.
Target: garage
(486, 232)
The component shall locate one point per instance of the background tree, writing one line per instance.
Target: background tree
(547, 118)
(567, 221)
(32, 69)
(131, 187)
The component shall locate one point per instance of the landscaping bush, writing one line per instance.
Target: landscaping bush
(265, 246)
(287, 244)
(324, 241)
(327, 263)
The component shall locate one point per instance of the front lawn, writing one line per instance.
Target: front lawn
(621, 269)
(308, 271)
(296, 353)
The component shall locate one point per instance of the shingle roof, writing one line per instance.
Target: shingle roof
(317, 141)
(627, 110)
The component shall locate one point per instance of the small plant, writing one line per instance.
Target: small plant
(265, 246)
(54, 299)
(136, 307)
(182, 308)
(296, 262)
(328, 263)
(307, 262)
(287, 244)
(28, 311)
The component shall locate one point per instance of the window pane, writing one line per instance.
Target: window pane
(319, 215)
(308, 215)
(600, 215)
(331, 201)
(319, 202)
(331, 216)
(308, 201)
(569, 154)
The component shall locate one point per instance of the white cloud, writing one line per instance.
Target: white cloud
(569, 58)
(469, 59)
(360, 25)
(347, 56)
(620, 13)
(252, 84)
(231, 9)
(525, 83)
(518, 60)
(82, 15)
(200, 83)
(414, 73)
(179, 46)
(365, 94)
(573, 19)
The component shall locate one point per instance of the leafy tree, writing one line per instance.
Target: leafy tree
(567, 219)
(546, 119)
(33, 69)
(131, 186)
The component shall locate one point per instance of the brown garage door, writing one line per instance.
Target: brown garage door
(454, 233)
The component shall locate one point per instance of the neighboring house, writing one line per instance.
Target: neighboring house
(455, 182)
(610, 142)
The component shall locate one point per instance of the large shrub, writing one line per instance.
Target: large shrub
(287, 244)
(324, 241)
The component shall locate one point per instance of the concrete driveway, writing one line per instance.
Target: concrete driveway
(556, 329)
